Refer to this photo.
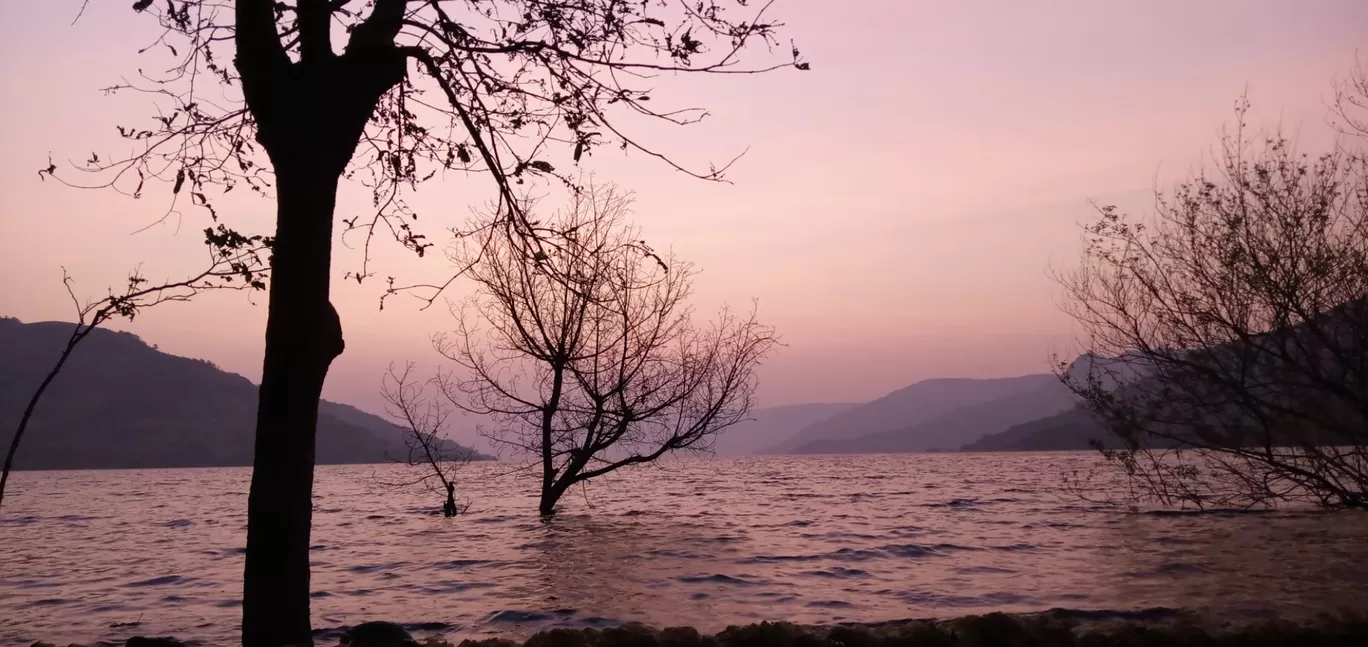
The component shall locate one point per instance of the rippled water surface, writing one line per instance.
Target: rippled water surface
(707, 542)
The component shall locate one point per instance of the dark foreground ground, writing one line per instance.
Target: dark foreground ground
(1057, 628)
(1052, 629)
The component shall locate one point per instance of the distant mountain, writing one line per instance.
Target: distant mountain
(947, 432)
(120, 403)
(1067, 430)
(1077, 428)
(771, 425)
(1070, 427)
(911, 406)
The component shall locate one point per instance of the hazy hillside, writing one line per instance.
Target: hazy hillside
(950, 431)
(772, 425)
(120, 403)
(911, 406)
(1066, 430)
(1074, 428)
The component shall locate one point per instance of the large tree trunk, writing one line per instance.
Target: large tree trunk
(309, 115)
(303, 335)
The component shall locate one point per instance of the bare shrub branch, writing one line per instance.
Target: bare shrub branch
(1229, 334)
(423, 421)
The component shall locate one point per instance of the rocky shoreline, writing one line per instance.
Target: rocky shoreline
(1054, 628)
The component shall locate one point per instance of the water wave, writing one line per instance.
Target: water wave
(709, 543)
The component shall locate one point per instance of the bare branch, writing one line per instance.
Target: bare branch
(520, 89)
(423, 422)
(600, 366)
(235, 263)
(1228, 336)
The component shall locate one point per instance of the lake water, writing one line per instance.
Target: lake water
(706, 542)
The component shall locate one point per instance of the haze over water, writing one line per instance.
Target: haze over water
(706, 542)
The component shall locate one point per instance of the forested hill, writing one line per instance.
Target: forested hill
(120, 403)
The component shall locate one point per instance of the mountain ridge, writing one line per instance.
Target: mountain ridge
(1071, 429)
(909, 406)
(950, 431)
(767, 426)
(122, 403)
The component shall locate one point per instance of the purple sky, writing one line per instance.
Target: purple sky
(896, 214)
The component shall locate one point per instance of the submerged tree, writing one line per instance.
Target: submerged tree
(600, 366)
(258, 95)
(423, 422)
(1230, 334)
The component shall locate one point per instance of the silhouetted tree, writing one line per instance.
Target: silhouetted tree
(600, 366)
(259, 96)
(234, 263)
(1229, 335)
(423, 421)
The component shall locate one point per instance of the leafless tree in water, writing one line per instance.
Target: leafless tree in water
(423, 421)
(1228, 335)
(235, 263)
(601, 370)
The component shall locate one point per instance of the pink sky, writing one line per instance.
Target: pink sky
(896, 215)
